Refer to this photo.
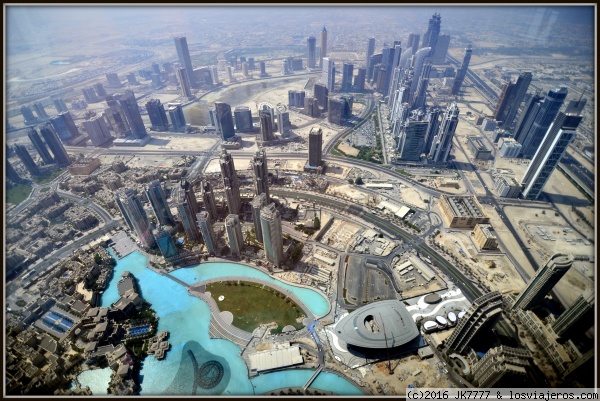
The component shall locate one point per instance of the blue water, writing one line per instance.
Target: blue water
(312, 299)
(139, 330)
(97, 380)
(187, 318)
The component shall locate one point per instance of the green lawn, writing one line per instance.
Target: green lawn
(252, 305)
(46, 178)
(17, 193)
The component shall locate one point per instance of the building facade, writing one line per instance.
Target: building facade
(270, 220)
(235, 238)
(462, 211)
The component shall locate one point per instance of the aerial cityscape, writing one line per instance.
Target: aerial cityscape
(298, 200)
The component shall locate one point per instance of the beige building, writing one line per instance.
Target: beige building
(484, 239)
(84, 166)
(462, 211)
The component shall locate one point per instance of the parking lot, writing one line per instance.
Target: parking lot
(366, 283)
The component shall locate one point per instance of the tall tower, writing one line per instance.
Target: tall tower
(165, 243)
(205, 225)
(519, 92)
(266, 126)
(39, 145)
(259, 166)
(224, 120)
(527, 117)
(126, 105)
(257, 204)
(136, 217)
(560, 134)
(418, 62)
(97, 129)
(323, 46)
(548, 111)
(157, 114)
(65, 126)
(270, 221)
(347, 72)
(158, 199)
(312, 52)
(370, 50)
(182, 77)
(581, 311)
(187, 195)
(38, 107)
(504, 366)
(412, 140)
(503, 105)
(27, 160)
(60, 105)
(11, 173)
(481, 316)
(328, 73)
(233, 228)
(441, 49)
(543, 281)
(433, 31)
(231, 183)
(185, 60)
(186, 216)
(315, 147)
(175, 111)
(413, 42)
(208, 198)
(56, 147)
(28, 115)
(442, 143)
(462, 72)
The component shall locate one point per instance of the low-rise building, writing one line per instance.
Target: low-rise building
(462, 211)
(484, 239)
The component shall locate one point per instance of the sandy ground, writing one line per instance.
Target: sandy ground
(413, 197)
(347, 149)
(348, 192)
(182, 143)
(340, 234)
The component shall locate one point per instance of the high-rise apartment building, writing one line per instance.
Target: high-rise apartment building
(135, 215)
(546, 114)
(283, 122)
(442, 142)
(184, 83)
(39, 145)
(270, 221)
(266, 126)
(347, 73)
(261, 172)
(243, 119)
(554, 144)
(527, 117)
(328, 73)
(11, 173)
(359, 80)
(64, 126)
(38, 107)
(315, 147)
(28, 115)
(257, 204)
(60, 105)
(157, 114)
(114, 80)
(580, 315)
(224, 120)
(481, 316)
(296, 98)
(124, 115)
(165, 243)
(370, 50)
(178, 123)
(519, 91)
(322, 94)
(208, 199)
(441, 49)
(413, 42)
(433, 31)
(205, 225)
(411, 142)
(235, 238)
(231, 183)
(323, 47)
(56, 147)
(97, 129)
(263, 69)
(158, 199)
(543, 281)
(418, 62)
(183, 53)
(462, 72)
(312, 52)
(27, 160)
(186, 216)
(504, 366)
(100, 91)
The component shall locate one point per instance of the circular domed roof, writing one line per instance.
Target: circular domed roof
(432, 298)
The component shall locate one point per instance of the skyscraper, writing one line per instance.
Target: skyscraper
(135, 215)
(504, 101)
(547, 112)
(205, 225)
(100, 91)
(39, 145)
(543, 281)
(433, 119)
(235, 238)
(322, 94)
(504, 366)
(243, 119)
(441, 49)
(224, 120)
(323, 46)
(124, 112)
(580, 315)
(527, 117)
(554, 144)
(185, 60)
(283, 122)
(270, 221)
(266, 126)
(433, 31)
(184, 83)
(481, 316)
(442, 142)
(97, 130)
(231, 183)
(359, 80)
(177, 117)
(28, 115)
(315, 147)
(370, 50)
(38, 107)
(208, 198)
(165, 243)
(64, 126)
(328, 73)
(263, 69)
(257, 204)
(462, 72)
(11, 173)
(158, 199)
(347, 72)
(56, 147)
(418, 62)
(157, 114)
(519, 92)
(60, 105)
(188, 221)
(312, 52)
(114, 80)
(261, 172)
(413, 42)
(420, 96)
(27, 160)
(411, 142)
(187, 195)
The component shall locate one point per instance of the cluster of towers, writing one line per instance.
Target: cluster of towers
(228, 123)
(198, 223)
(158, 116)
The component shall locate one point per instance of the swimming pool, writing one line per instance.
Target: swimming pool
(187, 319)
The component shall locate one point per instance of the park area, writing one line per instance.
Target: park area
(252, 305)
